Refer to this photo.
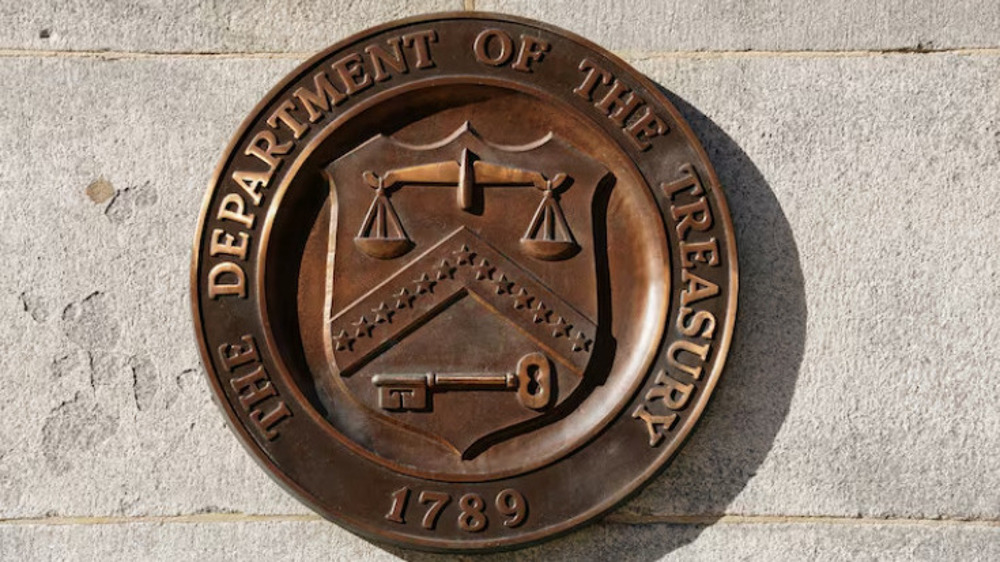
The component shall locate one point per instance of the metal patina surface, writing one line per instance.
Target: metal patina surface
(464, 282)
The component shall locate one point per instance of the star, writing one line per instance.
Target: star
(342, 341)
(542, 313)
(364, 329)
(464, 256)
(445, 270)
(383, 314)
(580, 342)
(560, 328)
(424, 284)
(502, 284)
(403, 298)
(522, 299)
(484, 270)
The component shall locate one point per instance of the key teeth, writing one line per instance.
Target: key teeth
(410, 391)
(404, 393)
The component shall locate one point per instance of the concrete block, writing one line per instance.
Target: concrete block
(857, 418)
(737, 25)
(317, 540)
(233, 26)
(108, 411)
(860, 380)
(187, 26)
(859, 383)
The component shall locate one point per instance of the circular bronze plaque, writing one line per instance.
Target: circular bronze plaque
(464, 281)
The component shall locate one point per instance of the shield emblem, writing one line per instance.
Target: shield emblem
(460, 284)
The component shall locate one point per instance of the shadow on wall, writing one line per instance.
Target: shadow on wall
(748, 407)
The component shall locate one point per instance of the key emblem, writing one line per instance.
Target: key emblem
(532, 382)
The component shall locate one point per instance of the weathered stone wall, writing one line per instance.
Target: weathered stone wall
(859, 145)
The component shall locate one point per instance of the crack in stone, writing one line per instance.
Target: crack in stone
(631, 55)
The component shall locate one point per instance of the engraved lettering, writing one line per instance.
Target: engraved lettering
(321, 98)
(667, 393)
(532, 49)
(696, 288)
(266, 422)
(695, 215)
(656, 426)
(437, 500)
(229, 278)
(472, 519)
(352, 73)
(645, 128)
(252, 183)
(265, 147)
(673, 394)
(481, 47)
(700, 325)
(617, 107)
(690, 181)
(233, 208)
(421, 41)
(594, 73)
(253, 387)
(620, 104)
(222, 243)
(673, 356)
(284, 115)
(692, 214)
(219, 286)
(399, 499)
(235, 355)
(380, 59)
(509, 503)
(705, 252)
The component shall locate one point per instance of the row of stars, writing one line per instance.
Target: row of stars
(483, 271)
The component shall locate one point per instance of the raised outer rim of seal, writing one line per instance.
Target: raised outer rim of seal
(589, 516)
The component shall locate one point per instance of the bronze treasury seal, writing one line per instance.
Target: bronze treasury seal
(463, 282)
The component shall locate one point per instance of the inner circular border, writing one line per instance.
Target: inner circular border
(643, 361)
(654, 97)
